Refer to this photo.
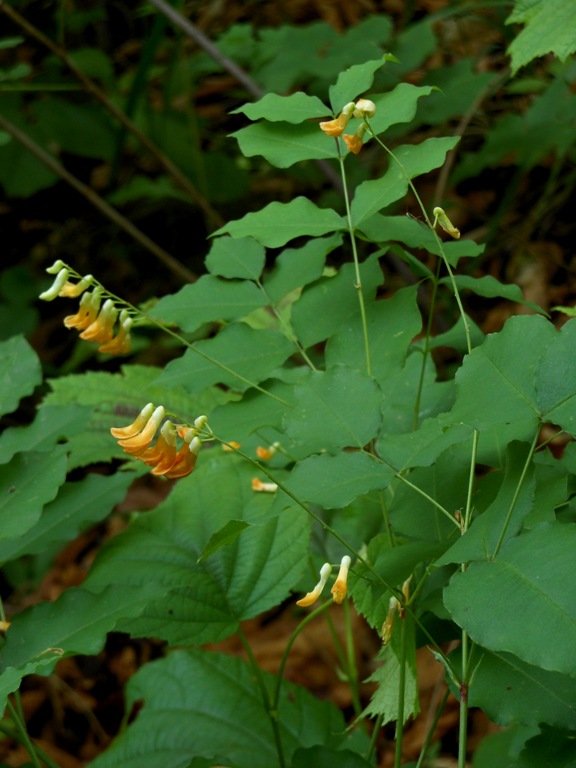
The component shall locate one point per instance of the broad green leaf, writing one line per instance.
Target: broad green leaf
(496, 383)
(525, 596)
(204, 599)
(52, 423)
(225, 536)
(334, 482)
(392, 325)
(501, 749)
(238, 356)
(92, 136)
(553, 748)
(209, 299)
(277, 223)
(77, 506)
(556, 380)
(335, 409)
(354, 82)
(231, 726)
(77, 622)
(490, 287)
(238, 420)
(511, 691)
(313, 315)
(115, 399)
(549, 29)
(283, 144)
(292, 109)
(20, 372)
(29, 481)
(236, 258)
(504, 517)
(296, 267)
(411, 160)
(397, 106)
(421, 447)
(456, 338)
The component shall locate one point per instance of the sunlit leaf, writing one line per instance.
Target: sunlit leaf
(236, 258)
(292, 109)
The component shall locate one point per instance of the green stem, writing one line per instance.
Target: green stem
(401, 694)
(432, 729)
(506, 523)
(374, 738)
(20, 724)
(464, 682)
(269, 705)
(356, 262)
(426, 350)
(351, 668)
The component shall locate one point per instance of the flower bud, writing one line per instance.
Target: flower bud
(59, 282)
(364, 108)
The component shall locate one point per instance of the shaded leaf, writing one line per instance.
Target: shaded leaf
(20, 372)
(277, 223)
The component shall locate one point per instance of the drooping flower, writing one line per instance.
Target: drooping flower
(87, 312)
(101, 330)
(261, 487)
(73, 290)
(340, 585)
(364, 108)
(164, 456)
(336, 127)
(311, 597)
(59, 282)
(121, 343)
(355, 142)
(388, 626)
(265, 454)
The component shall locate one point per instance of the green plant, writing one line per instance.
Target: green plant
(322, 384)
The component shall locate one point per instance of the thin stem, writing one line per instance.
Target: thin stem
(401, 694)
(374, 737)
(432, 729)
(426, 350)
(463, 724)
(358, 285)
(94, 90)
(267, 701)
(351, 667)
(98, 202)
(525, 469)
(18, 717)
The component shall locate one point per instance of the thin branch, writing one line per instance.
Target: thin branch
(167, 259)
(231, 67)
(94, 90)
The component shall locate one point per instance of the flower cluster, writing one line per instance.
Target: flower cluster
(99, 321)
(164, 456)
(362, 109)
(338, 589)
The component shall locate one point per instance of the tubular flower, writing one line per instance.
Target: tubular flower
(364, 108)
(265, 454)
(59, 282)
(120, 344)
(339, 588)
(311, 597)
(260, 487)
(388, 626)
(101, 330)
(73, 290)
(356, 141)
(164, 456)
(336, 127)
(87, 312)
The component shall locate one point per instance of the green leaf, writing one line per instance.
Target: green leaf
(92, 135)
(496, 383)
(240, 258)
(283, 144)
(411, 160)
(296, 267)
(225, 536)
(397, 106)
(52, 423)
(511, 691)
(354, 81)
(238, 356)
(553, 748)
(504, 516)
(77, 506)
(333, 482)
(30, 480)
(392, 325)
(209, 299)
(313, 315)
(20, 372)
(292, 109)
(231, 726)
(278, 223)
(334, 409)
(556, 380)
(491, 288)
(549, 29)
(518, 601)
(201, 596)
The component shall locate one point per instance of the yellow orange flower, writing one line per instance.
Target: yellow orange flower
(87, 312)
(339, 589)
(364, 108)
(354, 142)
(265, 454)
(101, 330)
(260, 487)
(164, 457)
(311, 597)
(73, 290)
(121, 343)
(336, 127)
